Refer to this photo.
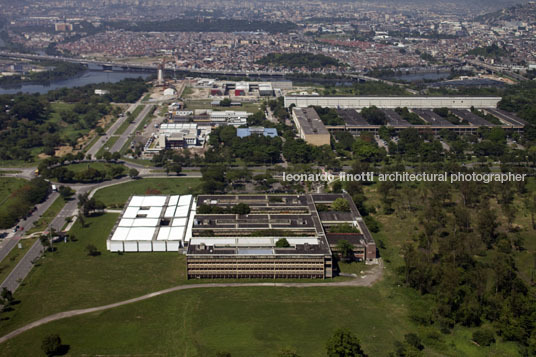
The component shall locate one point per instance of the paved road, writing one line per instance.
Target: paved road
(367, 280)
(130, 130)
(12, 239)
(100, 143)
(25, 172)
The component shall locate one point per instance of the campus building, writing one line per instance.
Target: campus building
(430, 122)
(310, 127)
(303, 101)
(242, 236)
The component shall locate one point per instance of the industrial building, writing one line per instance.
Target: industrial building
(393, 102)
(310, 127)
(236, 236)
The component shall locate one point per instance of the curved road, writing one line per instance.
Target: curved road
(366, 280)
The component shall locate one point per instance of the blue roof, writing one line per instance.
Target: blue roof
(244, 132)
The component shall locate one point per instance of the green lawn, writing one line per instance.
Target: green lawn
(69, 278)
(102, 166)
(48, 216)
(117, 195)
(242, 321)
(8, 185)
(12, 259)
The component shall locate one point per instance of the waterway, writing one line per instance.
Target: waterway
(420, 76)
(88, 77)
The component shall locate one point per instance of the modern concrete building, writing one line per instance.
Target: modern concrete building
(229, 245)
(242, 236)
(310, 127)
(468, 122)
(393, 102)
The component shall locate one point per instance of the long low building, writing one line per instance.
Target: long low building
(429, 121)
(226, 245)
(392, 102)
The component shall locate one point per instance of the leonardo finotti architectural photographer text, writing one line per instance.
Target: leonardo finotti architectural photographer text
(406, 177)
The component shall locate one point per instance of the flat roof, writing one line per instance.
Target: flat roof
(310, 122)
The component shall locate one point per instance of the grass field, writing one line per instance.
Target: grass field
(117, 195)
(48, 216)
(12, 259)
(69, 278)
(8, 185)
(102, 166)
(242, 321)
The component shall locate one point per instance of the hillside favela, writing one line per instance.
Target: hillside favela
(327, 178)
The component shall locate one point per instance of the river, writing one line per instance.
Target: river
(414, 77)
(88, 77)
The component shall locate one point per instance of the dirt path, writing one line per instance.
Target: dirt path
(366, 280)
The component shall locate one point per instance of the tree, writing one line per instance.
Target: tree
(7, 296)
(484, 336)
(341, 204)
(241, 208)
(282, 243)
(133, 173)
(65, 192)
(174, 167)
(487, 225)
(346, 249)
(344, 344)
(51, 345)
(414, 341)
(92, 250)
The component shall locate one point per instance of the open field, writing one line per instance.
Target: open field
(7, 186)
(69, 278)
(12, 259)
(117, 195)
(243, 321)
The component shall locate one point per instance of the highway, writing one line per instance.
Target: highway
(123, 138)
(102, 141)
